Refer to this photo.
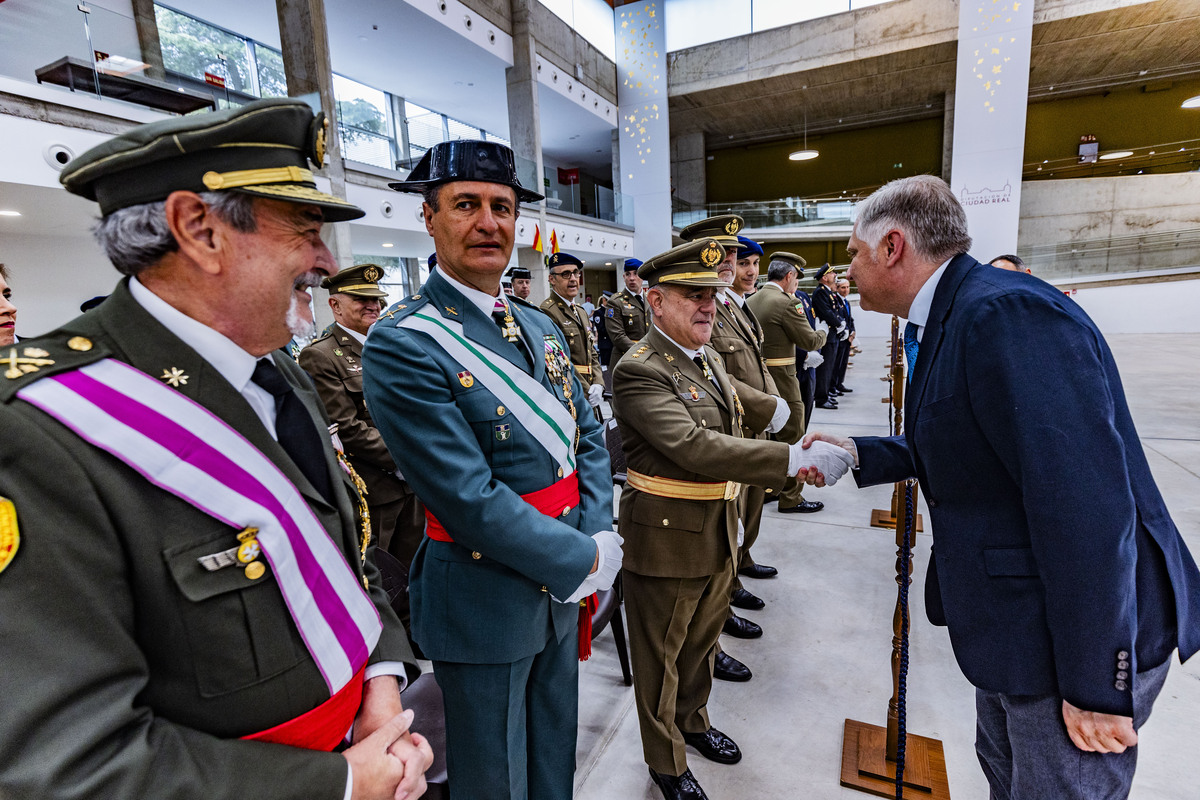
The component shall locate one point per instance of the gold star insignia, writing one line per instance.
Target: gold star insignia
(174, 377)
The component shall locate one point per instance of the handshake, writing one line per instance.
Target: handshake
(821, 459)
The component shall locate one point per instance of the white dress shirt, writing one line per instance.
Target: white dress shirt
(918, 312)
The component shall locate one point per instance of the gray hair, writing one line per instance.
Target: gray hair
(137, 237)
(4, 272)
(778, 270)
(922, 206)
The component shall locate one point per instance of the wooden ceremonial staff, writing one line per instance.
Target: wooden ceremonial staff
(890, 762)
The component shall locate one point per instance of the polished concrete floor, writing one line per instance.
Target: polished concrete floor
(828, 622)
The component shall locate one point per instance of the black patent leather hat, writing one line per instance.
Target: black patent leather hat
(466, 160)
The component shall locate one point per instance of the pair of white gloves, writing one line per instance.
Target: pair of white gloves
(609, 557)
(829, 460)
(595, 394)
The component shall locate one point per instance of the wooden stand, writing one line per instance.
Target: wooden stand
(869, 752)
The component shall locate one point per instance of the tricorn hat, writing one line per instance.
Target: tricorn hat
(466, 160)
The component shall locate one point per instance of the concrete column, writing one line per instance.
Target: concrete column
(525, 134)
(948, 135)
(645, 149)
(688, 162)
(304, 39)
(147, 33)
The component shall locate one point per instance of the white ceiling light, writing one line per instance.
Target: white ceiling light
(387, 244)
(1116, 154)
(805, 154)
(10, 213)
(1191, 102)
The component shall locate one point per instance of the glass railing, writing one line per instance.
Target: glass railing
(93, 50)
(597, 202)
(789, 212)
(1117, 255)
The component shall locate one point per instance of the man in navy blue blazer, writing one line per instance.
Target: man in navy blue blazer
(1056, 566)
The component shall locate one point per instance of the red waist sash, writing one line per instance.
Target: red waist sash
(325, 726)
(556, 500)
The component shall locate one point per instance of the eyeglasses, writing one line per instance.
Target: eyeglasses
(567, 273)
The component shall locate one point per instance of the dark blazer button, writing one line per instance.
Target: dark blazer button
(1122, 655)
(932, 503)
(1122, 665)
(1120, 686)
(1122, 675)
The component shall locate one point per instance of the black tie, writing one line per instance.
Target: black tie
(294, 426)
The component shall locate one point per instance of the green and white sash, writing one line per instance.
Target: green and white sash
(536, 408)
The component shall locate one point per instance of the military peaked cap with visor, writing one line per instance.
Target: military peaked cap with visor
(466, 160)
(361, 280)
(692, 264)
(789, 258)
(724, 229)
(262, 149)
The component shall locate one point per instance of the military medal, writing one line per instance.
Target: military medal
(510, 330)
(10, 536)
(249, 548)
(503, 432)
(694, 392)
(466, 379)
(705, 368)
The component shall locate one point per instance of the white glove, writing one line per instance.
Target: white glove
(843, 335)
(828, 459)
(741, 539)
(841, 328)
(610, 555)
(783, 412)
(814, 359)
(821, 327)
(595, 394)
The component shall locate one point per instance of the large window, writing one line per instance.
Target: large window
(363, 116)
(196, 49)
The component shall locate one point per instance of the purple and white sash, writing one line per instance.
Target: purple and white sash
(183, 448)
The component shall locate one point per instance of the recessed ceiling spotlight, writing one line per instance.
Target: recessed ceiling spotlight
(1191, 102)
(387, 244)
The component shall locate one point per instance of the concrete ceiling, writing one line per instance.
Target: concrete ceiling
(1087, 54)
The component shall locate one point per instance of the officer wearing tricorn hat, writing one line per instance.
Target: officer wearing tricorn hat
(334, 362)
(165, 463)
(479, 404)
(522, 282)
(679, 412)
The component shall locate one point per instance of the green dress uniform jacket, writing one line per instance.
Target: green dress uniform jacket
(626, 320)
(679, 553)
(130, 671)
(334, 362)
(484, 603)
(785, 327)
(572, 320)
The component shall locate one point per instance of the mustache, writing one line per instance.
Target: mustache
(309, 280)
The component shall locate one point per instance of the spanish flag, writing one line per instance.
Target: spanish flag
(537, 238)
(553, 241)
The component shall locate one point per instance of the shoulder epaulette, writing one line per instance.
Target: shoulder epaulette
(26, 361)
(402, 309)
(640, 351)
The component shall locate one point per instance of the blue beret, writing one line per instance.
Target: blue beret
(748, 247)
(632, 264)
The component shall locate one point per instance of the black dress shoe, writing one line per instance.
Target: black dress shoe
(805, 507)
(685, 787)
(743, 599)
(728, 668)
(715, 746)
(758, 571)
(844, 390)
(827, 405)
(741, 628)
(834, 393)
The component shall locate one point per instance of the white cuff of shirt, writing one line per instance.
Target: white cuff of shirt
(349, 782)
(388, 668)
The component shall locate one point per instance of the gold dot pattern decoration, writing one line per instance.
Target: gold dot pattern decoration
(990, 57)
(641, 62)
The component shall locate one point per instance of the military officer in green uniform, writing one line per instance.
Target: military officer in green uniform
(566, 273)
(334, 362)
(785, 328)
(681, 420)
(627, 318)
(187, 610)
(479, 404)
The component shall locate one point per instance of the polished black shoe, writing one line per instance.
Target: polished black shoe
(758, 571)
(715, 746)
(834, 393)
(728, 668)
(844, 390)
(685, 787)
(805, 507)
(743, 599)
(741, 628)
(827, 405)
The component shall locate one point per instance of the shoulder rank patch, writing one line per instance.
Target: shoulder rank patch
(10, 537)
(18, 365)
(640, 351)
(609, 312)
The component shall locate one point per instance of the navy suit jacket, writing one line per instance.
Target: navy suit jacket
(1053, 550)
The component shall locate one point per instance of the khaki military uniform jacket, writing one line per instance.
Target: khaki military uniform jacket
(737, 336)
(627, 319)
(572, 319)
(676, 424)
(785, 327)
(334, 362)
(129, 670)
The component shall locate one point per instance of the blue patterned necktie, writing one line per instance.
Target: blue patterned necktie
(911, 346)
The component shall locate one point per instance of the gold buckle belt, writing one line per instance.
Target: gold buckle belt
(583, 370)
(682, 490)
(787, 361)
